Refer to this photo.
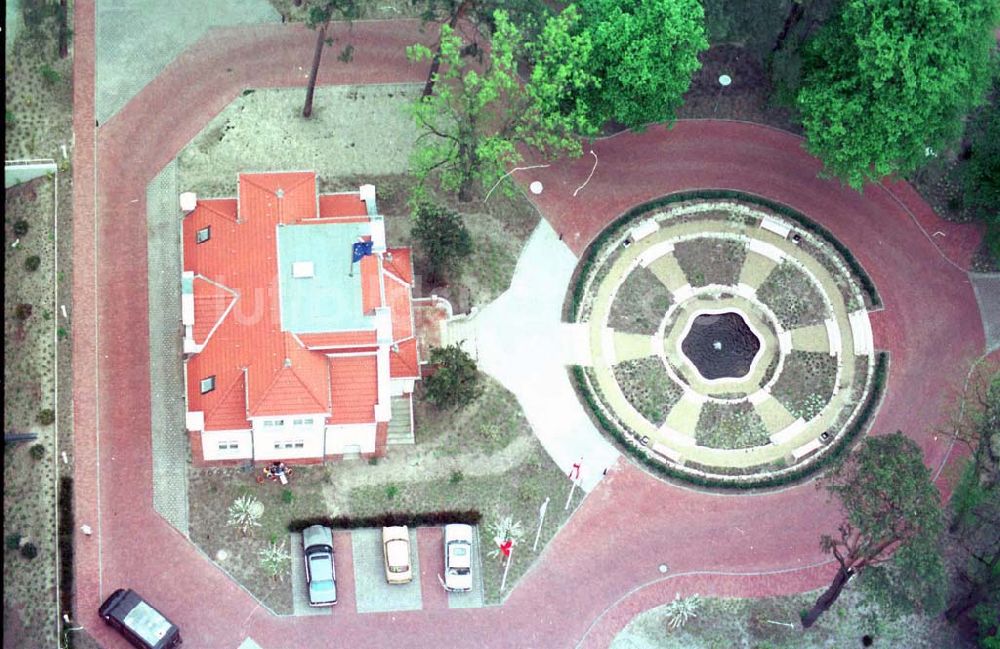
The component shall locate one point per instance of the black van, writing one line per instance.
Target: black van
(138, 621)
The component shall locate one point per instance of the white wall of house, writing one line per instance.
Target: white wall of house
(352, 437)
(227, 444)
(286, 444)
(399, 387)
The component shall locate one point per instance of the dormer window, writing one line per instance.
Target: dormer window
(207, 385)
(203, 235)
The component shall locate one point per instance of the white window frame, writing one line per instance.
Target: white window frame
(230, 445)
(210, 381)
(203, 234)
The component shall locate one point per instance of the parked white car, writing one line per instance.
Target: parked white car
(458, 557)
(396, 552)
(317, 544)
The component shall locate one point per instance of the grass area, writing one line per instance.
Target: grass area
(640, 304)
(772, 623)
(725, 425)
(212, 491)
(711, 261)
(793, 297)
(38, 94)
(806, 382)
(648, 388)
(29, 387)
(482, 457)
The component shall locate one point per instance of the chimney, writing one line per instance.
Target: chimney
(367, 193)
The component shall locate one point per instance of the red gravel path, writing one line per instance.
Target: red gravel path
(626, 527)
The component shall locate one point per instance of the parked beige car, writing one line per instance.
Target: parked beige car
(396, 551)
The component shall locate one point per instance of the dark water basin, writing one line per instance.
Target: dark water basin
(721, 345)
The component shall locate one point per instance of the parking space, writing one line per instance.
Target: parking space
(300, 593)
(372, 593)
(474, 597)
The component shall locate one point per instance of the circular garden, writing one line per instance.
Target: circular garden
(729, 339)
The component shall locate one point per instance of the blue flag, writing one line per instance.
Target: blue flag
(360, 249)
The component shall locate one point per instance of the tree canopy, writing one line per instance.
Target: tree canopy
(455, 381)
(892, 523)
(975, 508)
(644, 54)
(480, 114)
(886, 79)
(442, 238)
(982, 177)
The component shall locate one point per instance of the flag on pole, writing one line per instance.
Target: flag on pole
(360, 249)
(505, 547)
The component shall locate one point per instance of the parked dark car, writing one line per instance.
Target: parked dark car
(137, 620)
(317, 546)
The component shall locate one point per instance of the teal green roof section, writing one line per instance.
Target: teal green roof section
(330, 300)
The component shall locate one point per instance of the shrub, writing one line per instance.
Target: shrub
(391, 491)
(373, 460)
(9, 118)
(21, 227)
(32, 263)
(50, 76)
(442, 237)
(390, 519)
(46, 416)
(455, 382)
(38, 451)
(274, 559)
(12, 541)
(66, 530)
(245, 513)
(29, 551)
(456, 477)
(287, 496)
(679, 611)
(22, 311)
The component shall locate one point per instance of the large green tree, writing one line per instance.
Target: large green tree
(886, 79)
(975, 508)
(982, 176)
(892, 523)
(481, 112)
(644, 53)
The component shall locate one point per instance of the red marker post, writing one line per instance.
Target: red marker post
(507, 548)
(574, 475)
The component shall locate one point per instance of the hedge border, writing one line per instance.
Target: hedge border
(66, 553)
(834, 456)
(390, 519)
(571, 309)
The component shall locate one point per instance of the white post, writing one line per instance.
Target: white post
(503, 582)
(541, 519)
(572, 488)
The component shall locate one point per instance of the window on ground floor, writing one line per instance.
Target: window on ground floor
(229, 446)
(293, 443)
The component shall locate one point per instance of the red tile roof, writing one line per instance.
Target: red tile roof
(211, 302)
(287, 196)
(404, 364)
(348, 206)
(354, 386)
(230, 412)
(371, 292)
(282, 375)
(398, 262)
(398, 297)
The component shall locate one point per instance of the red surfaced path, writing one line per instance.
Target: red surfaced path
(603, 566)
